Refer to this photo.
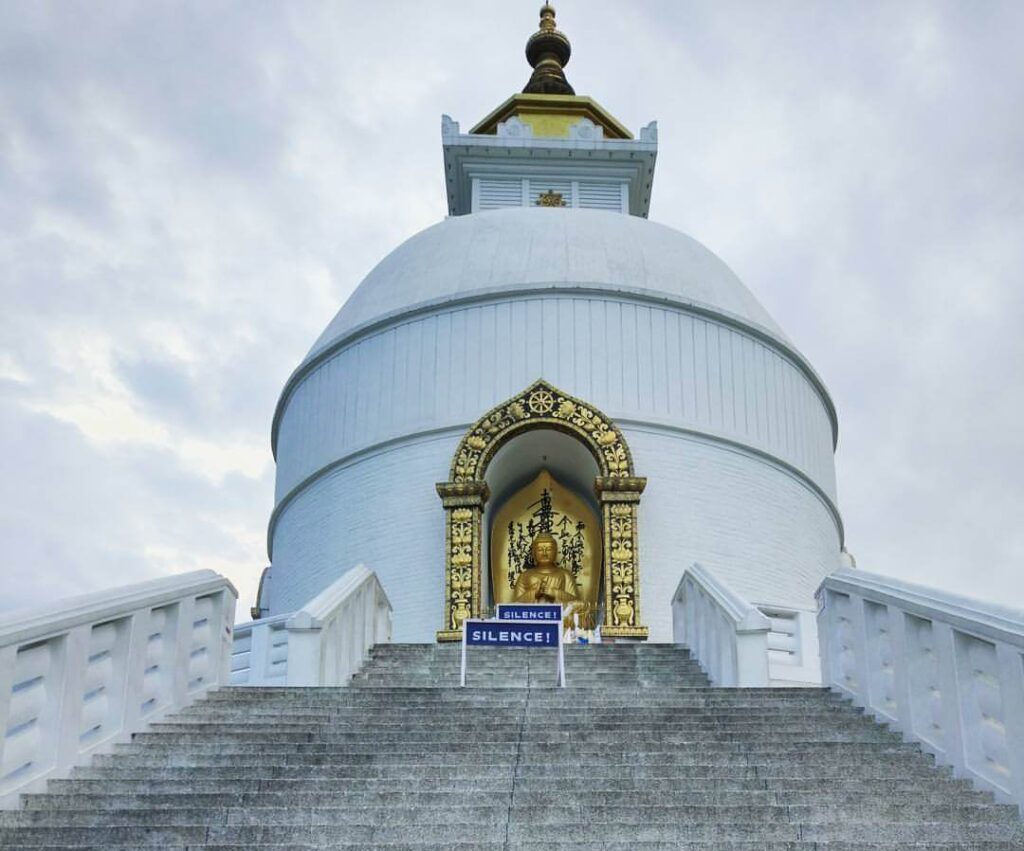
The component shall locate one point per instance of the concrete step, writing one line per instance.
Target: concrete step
(525, 816)
(374, 777)
(661, 761)
(597, 726)
(626, 695)
(554, 743)
(394, 711)
(714, 845)
(596, 831)
(487, 723)
(120, 798)
(743, 781)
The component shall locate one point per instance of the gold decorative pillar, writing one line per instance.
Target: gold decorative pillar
(620, 497)
(463, 507)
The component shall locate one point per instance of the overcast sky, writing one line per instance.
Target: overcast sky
(189, 191)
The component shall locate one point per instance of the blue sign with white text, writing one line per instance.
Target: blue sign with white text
(529, 612)
(506, 633)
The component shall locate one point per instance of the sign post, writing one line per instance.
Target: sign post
(517, 626)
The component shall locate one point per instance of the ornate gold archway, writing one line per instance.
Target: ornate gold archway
(618, 489)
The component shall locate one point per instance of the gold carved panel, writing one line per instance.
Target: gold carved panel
(620, 499)
(463, 503)
(538, 406)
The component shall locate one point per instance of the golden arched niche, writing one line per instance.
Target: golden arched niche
(546, 505)
(617, 488)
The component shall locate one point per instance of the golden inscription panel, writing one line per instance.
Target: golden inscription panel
(545, 505)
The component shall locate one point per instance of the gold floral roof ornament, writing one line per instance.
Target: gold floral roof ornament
(551, 199)
(548, 51)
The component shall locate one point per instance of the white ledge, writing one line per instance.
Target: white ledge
(746, 617)
(62, 615)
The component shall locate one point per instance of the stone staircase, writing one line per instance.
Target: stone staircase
(638, 753)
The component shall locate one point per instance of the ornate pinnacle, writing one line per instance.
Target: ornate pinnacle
(548, 51)
(547, 18)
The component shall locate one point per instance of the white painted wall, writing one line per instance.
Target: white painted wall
(357, 513)
(762, 530)
(84, 673)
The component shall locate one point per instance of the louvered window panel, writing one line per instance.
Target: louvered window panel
(601, 196)
(551, 187)
(495, 194)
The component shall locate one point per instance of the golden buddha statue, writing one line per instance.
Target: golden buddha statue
(571, 558)
(546, 582)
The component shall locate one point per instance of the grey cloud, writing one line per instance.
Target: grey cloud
(79, 517)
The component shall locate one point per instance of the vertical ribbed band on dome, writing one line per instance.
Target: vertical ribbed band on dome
(548, 51)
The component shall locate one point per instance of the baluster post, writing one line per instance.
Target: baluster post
(8, 662)
(952, 693)
(67, 719)
(901, 670)
(1011, 677)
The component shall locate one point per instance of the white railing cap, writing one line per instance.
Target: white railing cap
(41, 622)
(312, 615)
(746, 616)
(986, 619)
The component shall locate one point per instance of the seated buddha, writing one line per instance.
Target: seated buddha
(546, 582)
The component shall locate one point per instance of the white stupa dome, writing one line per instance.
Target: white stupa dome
(520, 249)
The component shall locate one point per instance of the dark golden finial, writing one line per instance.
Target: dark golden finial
(548, 51)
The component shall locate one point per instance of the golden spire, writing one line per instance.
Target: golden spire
(548, 51)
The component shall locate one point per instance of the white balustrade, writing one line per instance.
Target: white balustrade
(86, 672)
(944, 670)
(792, 647)
(260, 654)
(726, 634)
(322, 644)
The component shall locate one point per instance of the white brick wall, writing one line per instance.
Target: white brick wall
(761, 530)
(381, 511)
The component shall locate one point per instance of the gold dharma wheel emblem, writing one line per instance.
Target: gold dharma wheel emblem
(541, 402)
(550, 199)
